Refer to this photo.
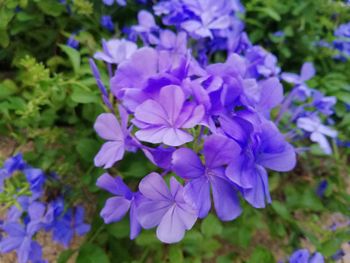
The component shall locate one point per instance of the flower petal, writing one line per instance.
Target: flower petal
(115, 209)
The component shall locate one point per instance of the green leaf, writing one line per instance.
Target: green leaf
(261, 254)
(65, 256)
(343, 96)
(175, 254)
(90, 253)
(81, 95)
(87, 148)
(73, 55)
(281, 210)
(4, 38)
(119, 229)
(270, 12)
(51, 7)
(7, 88)
(211, 226)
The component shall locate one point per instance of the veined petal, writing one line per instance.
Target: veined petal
(171, 229)
(186, 164)
(109, 153)
(115, 209)
(108, 128)
(226, 201)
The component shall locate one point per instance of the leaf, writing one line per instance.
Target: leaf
(271, 13)
(81, 95)
(119, 229)
(175, 254)
(7, 88)
(65, 256)
(51, 7)
(87, 148)
(4, 38)
(73, 55)
(90, 253)
(343, 96)
(211, 226)
(281, 210)
(261, 254)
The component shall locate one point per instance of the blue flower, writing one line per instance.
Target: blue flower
(72, 42)
(107, 23)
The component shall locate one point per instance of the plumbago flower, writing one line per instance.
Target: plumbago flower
(30, 215)
(308, 108)
(303, 256)
(210, 125)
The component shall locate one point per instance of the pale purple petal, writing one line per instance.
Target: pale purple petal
(150, 213)
(108, 128)
(271, 93)
(109, 153)
(115, 209)
(307, 71)
(195, 118)
(317, 258)
(172, 98)
(171, 228)
(113, 185)
(291, 78)
(322, 141)
(176, 137)
(154, 187)
(153, 134)
(151, 112)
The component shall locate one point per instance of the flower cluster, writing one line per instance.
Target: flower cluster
(303, 256)
(30, 214)
(209, 124)
(308, 108)
(342, 42)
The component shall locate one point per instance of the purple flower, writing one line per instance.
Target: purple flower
(73, 42)
(307, 72)
(100, 84)
(107, 23)
(36, 180)
(116, 207)
(218, 151)
(323, 104)
(116, 51)
(111, 2)
(163, 120)
(321, 188)
(303, 256)
(19, 237)
(262, 63)
(318, 132)
(147, 28)
(108, 128)
(165, 208)
(14, 163)
(267, 148)
(65, 225)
